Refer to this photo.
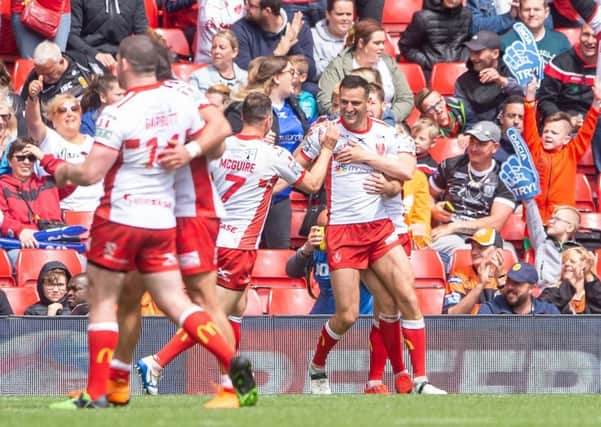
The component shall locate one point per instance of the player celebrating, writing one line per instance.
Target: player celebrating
(361, 236)
(126, 235)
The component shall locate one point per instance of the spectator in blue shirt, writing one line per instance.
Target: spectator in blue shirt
(516, 295)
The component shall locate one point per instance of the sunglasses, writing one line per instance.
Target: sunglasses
(64, 108)
(22, 158)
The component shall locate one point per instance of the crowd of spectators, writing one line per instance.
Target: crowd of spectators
(297, 53)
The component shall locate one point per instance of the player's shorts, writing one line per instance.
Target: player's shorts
(359, 245)
(405, 240)
(125, 248)
(195, 243)
(235, 267)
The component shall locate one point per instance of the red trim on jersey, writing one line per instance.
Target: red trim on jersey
(107, 146)
(137, 89)
(298, 181)
(203, 106)
(128, 96)
(367, 127)
(247, 137)
(251, 235)
(192, 136)
(104, 207)
(307, 158)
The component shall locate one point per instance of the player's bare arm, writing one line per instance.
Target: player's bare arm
(313, 179)
(378, 183)
(91, 171)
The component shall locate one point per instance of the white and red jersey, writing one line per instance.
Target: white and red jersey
(244, 177)
(195, 193)
(137, 190)
(348, 202)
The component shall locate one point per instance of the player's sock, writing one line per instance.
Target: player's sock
(414, 332)
(179, 343)
(236, 323)
(390, 328)
(119, 371)
(102, 340)
(199, 325)
(377, 353)
(118, 392)
(327, 340)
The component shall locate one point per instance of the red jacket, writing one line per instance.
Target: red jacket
(557, 169)
(41, 194)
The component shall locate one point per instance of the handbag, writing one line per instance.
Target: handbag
(40, 19)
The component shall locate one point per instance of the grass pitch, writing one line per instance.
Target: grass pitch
(307, 411)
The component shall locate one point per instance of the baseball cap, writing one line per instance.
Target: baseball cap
(484, 40)
(485, 131)
(523, 272)
(486, 237)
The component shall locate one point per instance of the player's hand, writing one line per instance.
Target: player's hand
(26, 238)
(35, 87)
(106, 59)
(32, 149)
(329, 134)
(174, 156)
(54, 308)
(531, 89)
(353, 153)
(439, 214)
(443, 230)
(374, 183)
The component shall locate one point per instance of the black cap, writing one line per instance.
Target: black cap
(484, 40)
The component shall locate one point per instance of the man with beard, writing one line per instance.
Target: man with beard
(516, 295)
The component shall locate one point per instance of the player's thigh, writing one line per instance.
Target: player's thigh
(345, 286)
(167, 291)
(202, 289)
(383, 298)
(232, 302)
(104, 285)
(132, 292)
(394, 271)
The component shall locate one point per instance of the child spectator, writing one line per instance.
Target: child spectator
(103, 91)
(306, 100)
(424, 133)
(556, 154)
(52, 289)
(376, 106)
(219, 96)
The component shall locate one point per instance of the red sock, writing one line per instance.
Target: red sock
(102, 340)
(236, 323)
(179, 343)
(327, 340)
(415, 338)
(198, 325)
(119, 371)
(377, 354)
(390, 327)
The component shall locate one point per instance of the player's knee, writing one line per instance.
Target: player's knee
(348, 317)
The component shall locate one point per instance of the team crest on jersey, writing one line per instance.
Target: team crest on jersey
(380, 148)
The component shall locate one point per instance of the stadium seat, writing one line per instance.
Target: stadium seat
(430, 300)
(586, 164)
(445, 148)
(6, 271)
(462, 258)
(79, 218)
(573, 34)
(30, 261)
(270, 270)
(414, 75)
(152, 13)
(514, 230)
(298, 200)
(175, 40)
(444, 76)
(590, 220)
(427, 268)
(389, 46)
(291, 302)
(584, 194)
(22, 69)
(254, 304)
(296, 220)
(397, 14)
(413, 117)
(21, 298)
(183, 71)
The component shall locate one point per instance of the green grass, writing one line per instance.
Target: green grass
(307, 411)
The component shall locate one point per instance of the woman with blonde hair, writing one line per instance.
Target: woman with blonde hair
(365, 48)
(579, 289)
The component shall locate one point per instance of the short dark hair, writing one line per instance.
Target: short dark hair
(19, 145)
(274, 5)
(513, 99)
(560, 116)
(354, 82)
(255, 108)
(141, 52)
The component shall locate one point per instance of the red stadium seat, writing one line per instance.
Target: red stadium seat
(397, 14)
(79, 218)
(430, 300)
(290, 302)
(254, 304)
(414, 75)
(175, 40)
(514, 230)
(30, 262)
(296, 220)
(298, 200)
(584, 194)
(270, 270)
(389, 46)
(21, 298)
(6, 271)
(444, 76)
(428, 268)
(445, 148)
(413, 117)
(590, 220)
(573, 34)
(586, 164)
(183, 71)
(152, 13)
(462, 258)
(22, 69)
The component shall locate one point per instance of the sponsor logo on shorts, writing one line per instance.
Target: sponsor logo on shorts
(169, 259)
(224, 275)
(189, 259)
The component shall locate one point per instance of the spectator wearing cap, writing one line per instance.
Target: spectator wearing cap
(516, 295)
(579, 289)
(487, 82)
(470, 192)
(472, 285)
(532, 13)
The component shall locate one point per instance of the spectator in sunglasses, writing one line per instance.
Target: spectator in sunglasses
(65, 141)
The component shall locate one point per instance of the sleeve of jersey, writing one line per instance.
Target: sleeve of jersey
(288, 168)
(403, 144)
(311, 147)
(107, 129)
(503, 195)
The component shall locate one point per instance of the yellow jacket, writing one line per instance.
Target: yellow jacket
(416, 199)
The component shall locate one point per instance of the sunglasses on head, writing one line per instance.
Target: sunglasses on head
(74, 108)
(22, 157)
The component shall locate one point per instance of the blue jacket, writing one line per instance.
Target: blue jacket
(498, 305)
(256, 42)
(484, 17)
